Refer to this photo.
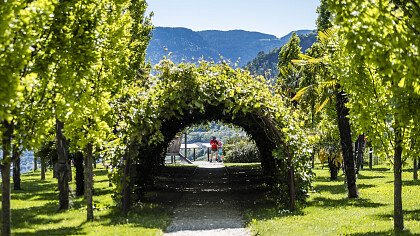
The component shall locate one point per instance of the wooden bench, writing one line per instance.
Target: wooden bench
(174, 148)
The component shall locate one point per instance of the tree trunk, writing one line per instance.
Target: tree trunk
(333, 170)
(43, 168)
(346, 143)
(415, 169)
(35, 162)
(126, 183)
(313, 158)
(291, 184)
(16, 166)
(80, 181)
(398, 212)
(62, 169)
(89, 182)
(370, 157)
(360, 149)
(5, 175)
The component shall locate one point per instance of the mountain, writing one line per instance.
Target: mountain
(181, 43)
(235, 45)
(265, 64)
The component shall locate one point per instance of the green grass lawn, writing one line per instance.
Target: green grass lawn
(329, 212)
(34, 211)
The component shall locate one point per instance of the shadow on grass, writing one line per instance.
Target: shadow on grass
(389, 232)
(145, 215)
(338, 203)
(361, 176)
(60, 231)
(326, 179)
(339, 189)
(411, 183)
(34, 216)
(35, 189)
(408, 215)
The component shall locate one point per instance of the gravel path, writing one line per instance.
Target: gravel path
(208, 206)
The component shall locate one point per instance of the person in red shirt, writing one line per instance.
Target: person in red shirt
(214, 149)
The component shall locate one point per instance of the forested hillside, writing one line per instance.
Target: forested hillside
(236, 45)
(265, 63)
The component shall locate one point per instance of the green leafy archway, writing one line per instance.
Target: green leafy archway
(183, 95)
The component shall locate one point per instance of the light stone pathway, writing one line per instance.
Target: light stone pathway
(208, 206)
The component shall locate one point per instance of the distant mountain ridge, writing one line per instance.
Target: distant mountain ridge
(235, 45)
(265, 63)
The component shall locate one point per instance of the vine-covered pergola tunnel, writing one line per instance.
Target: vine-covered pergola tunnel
(183, 95)
(251, 124)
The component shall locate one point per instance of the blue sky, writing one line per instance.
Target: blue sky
(277, 17)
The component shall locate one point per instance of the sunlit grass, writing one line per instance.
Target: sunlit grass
(329, 212)
(34, 211)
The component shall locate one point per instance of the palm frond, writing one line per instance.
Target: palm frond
(326, 36)
(322, 105)
(327, 84)
(306, 60)
(300, 93)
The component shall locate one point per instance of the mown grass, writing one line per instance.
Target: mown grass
(34, 211)
(329, 212)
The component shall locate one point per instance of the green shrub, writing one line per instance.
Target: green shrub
(241, 150)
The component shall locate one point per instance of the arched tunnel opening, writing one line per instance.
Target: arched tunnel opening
(252, 124)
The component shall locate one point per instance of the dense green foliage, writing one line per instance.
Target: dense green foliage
(377, 65)
(240, 150)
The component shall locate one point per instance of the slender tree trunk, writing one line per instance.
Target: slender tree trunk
(333, 170)
(313, 158)
(5, 175)
(80, 181)
(291, 180)
(62, 169)
(398, 212)
(89, 181)
(415, 169)
(16, 166)
(361, 144)
(43, 168)
(35, 162)
(346, 143)
(126, 183)
(370, 157)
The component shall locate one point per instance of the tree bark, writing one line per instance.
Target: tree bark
(346, 143)
(35, 162)
(16, 152)
(291, 184)
(62, 169)
(398, 212)
(333, 169)
(126, 183)
(370, 157)
(89, 182)
(5, 175)
(80, 181)
(360, 149)
(415, 169)
(313, 158)
(43, 168)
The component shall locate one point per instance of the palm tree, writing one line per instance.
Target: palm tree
(324, 88)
